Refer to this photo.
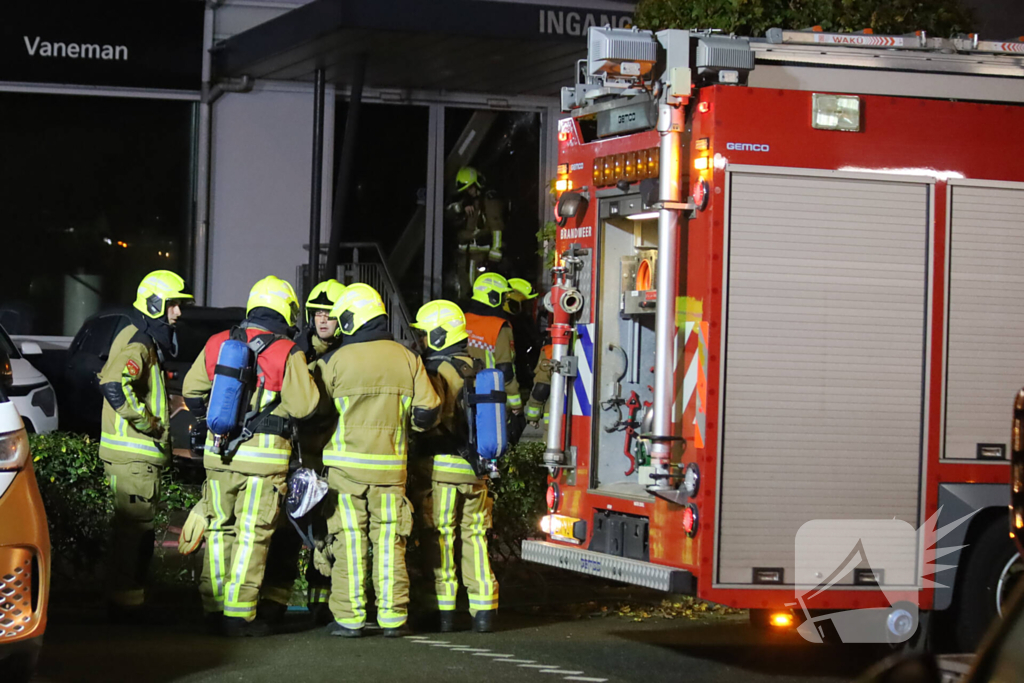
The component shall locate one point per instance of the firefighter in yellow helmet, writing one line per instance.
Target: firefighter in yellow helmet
(246, 479)
(380, 389)
(318, 336)
(477, 217)
(525, 335)
(491, 341)
(317, 339)
(458, 501)
(537, 404)
(135, 439)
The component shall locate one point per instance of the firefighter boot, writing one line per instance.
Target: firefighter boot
(446, 621)
(336, 629)
(271, 612)
(483, 621)
(397, 632)
(321, 614)
(237, 627)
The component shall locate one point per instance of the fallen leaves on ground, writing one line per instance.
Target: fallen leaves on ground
(672, 608)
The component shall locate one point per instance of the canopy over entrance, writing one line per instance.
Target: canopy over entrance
(481, 46)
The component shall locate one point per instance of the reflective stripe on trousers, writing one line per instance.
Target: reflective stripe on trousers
(473, 523)
(233, 605)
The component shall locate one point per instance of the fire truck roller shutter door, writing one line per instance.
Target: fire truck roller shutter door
(986, 356)
(826, 336)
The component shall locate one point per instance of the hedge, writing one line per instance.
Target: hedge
(79, 503)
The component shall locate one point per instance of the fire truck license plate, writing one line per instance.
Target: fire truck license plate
(562, 528)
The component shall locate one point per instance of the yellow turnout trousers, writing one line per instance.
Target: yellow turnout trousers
(358, 515)
(136, 487)
(242, 512)
(463, 509)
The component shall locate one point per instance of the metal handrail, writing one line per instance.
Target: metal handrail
(374, 272)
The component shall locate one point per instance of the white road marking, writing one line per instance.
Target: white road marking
(499, 657)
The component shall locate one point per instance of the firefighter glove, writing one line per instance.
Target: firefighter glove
(192, 530)
(323, 556)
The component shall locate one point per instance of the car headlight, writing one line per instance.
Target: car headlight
(13, 450)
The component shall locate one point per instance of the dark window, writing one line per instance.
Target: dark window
(96, 194)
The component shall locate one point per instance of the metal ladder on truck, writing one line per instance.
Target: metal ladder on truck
(790, 57)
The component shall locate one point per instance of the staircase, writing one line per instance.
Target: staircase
(364, 262)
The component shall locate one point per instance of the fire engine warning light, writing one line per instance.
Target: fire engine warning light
(629, 166)
(701, 163)
(563, 184)
(781, 620)
(704, 107)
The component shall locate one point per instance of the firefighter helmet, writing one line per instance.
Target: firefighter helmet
(490, 289)
(359, 304)
(323, 297)
(156, 290)
(443, 322)
(522, 288)
(467, 178)
(277, 295)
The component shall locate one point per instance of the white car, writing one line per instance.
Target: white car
(32, 394)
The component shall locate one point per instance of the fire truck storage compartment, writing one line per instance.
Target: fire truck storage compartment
(622, 535)
(986, 321)
(826, 336)
(624, 343)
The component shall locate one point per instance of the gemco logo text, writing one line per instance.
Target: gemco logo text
(746, 147)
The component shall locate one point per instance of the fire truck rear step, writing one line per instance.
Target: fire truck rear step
(636, 572)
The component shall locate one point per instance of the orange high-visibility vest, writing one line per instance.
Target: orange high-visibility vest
(483, 333)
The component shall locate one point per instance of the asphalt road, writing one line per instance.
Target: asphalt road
(527, 647)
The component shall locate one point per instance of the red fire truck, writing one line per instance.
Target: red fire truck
(788, 295)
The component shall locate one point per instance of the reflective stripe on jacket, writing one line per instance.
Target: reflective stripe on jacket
(376, 386)
(139, 428)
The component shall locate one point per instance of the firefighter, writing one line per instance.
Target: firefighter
(317, 339)
(477, 217)
(380, 389)
(537, 404)
(458, 500)
(135, 438)
(244, 486)
(491, 341)
(525, 335)
(318, 336)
